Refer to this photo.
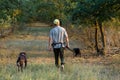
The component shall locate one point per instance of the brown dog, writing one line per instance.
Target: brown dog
(21, 61)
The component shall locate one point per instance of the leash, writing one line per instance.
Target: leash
(69, 49)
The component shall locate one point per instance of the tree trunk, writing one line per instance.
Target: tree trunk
(102, 38)
(96, 37)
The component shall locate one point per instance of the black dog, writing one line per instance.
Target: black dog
(76, 51)
(21, 61)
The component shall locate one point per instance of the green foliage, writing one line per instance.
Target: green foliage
(88, 11)
(5, 23)
(84, 11)
(7, 11)
(7, 7)
(54, 9)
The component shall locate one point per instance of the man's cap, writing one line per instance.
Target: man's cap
(56, 21)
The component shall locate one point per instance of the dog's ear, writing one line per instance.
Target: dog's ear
(22, 53)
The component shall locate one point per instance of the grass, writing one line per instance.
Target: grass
(27, 44)
(41, 62)
(45, 71)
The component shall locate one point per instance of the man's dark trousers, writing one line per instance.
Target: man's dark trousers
(59, 53)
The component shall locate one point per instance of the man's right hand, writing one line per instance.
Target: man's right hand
(50, 48)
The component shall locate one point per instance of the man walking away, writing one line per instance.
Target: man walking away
(57, 39)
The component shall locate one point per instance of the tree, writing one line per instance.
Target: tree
(96, 12)
(50, 9)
